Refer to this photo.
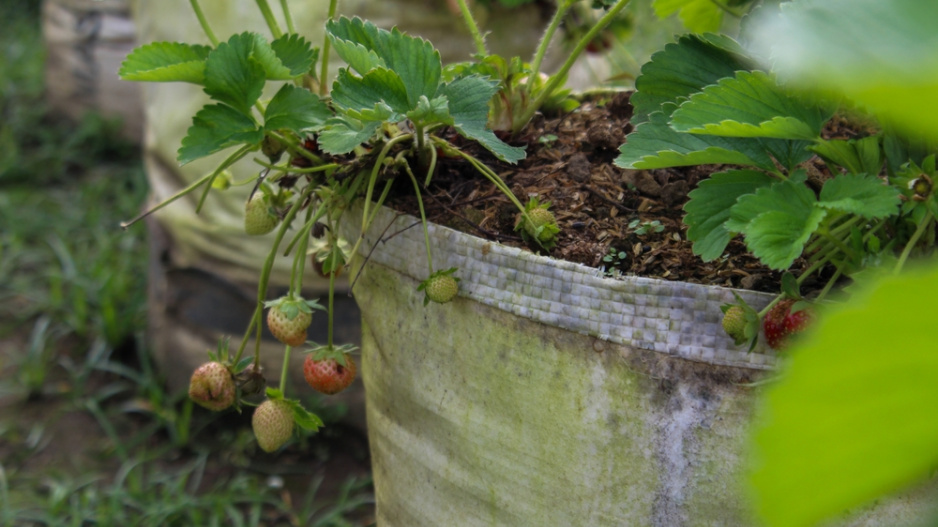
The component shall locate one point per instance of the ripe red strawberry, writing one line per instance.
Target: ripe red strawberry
(212, 386)
(440, 287)
(259, 215)
(273, 424)
(289, 317)
(780, 323)
(329, 370)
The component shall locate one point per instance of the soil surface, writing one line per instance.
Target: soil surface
(627, 222)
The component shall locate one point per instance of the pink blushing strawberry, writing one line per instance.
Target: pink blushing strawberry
(329, 370)
(212, 386)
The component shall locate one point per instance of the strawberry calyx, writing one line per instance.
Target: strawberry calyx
(291, 305)
(339, 354)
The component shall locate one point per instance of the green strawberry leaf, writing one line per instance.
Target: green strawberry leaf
(274, 393)
(684, 68)
(790, 287)
(380, 85)
(879, 54)
(698, 16)
(296, 54)
(654, 144)
(777, 221)
(431, 111)
(166, 62)
(709, 208)
(233, 74)
(469, 106)
(242, 364)
(852, 417)
(413, 59)
(751, 104)
(860, 156)
(296, 109)
(304, 418)
(860, 194)
(349, 37)
(214, 128)
(341, 134)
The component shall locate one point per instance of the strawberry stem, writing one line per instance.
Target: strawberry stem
(557, 78)
(265, 278)
(269, 18)
(423, 216)
(473, 27)
(919, 231)
(299, 258)
(287, 15)
(204, 22)
(367, 218)
(326, 45)
(285, 368)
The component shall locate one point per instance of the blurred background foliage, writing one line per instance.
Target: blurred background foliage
(88, 433)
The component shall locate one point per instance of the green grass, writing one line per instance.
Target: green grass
(88, 433)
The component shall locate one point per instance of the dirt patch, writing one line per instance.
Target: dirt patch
(628, 222)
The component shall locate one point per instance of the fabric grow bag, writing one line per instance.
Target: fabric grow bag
(546, 394)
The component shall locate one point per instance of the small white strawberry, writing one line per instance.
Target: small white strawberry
(273, 424)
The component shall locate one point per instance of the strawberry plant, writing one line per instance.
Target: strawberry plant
(323, 143)
(848, 206)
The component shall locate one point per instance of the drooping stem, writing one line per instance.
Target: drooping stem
(269, 18)
(284, 369)
(326, 46)
(320, 212)
(208, 178)
(423, 215)
(379, 161)
(232, 159)
(487, 172)
(473, 28)
(265, 276)
(299, 258)
(207, 29)
(334, 244)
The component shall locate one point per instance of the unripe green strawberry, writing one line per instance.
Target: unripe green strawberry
(329, 371)
(734, 323)
(440, 287)
(538, 224)
(259, 217)
(273, 424)
(212, 386)
(289, 317)
(540, 217)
